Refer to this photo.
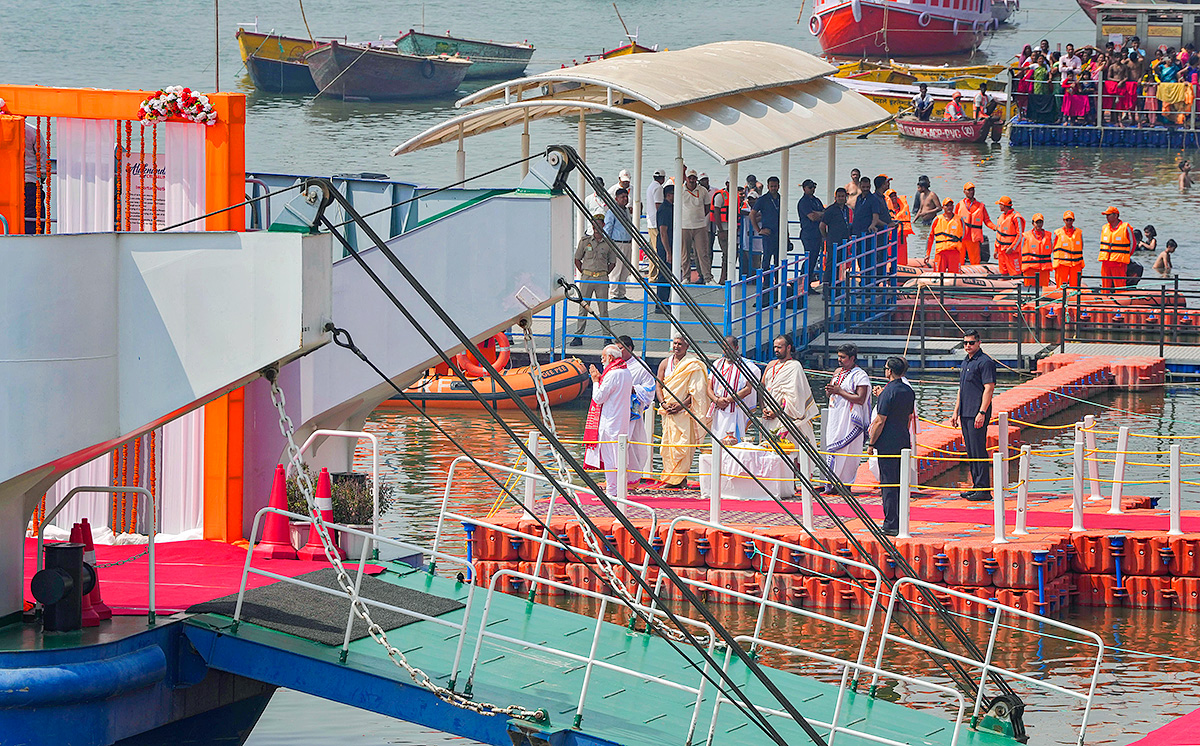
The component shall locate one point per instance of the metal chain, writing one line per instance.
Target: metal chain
(376, 632)
(139, 555)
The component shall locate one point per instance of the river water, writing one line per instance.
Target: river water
(154, 43)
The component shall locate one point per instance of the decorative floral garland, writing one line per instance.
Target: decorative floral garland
(177, 101)
(3, 107)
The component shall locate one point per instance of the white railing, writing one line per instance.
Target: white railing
(987, 666)
(354, 435)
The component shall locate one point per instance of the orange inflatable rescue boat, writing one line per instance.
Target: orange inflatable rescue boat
(439, 388)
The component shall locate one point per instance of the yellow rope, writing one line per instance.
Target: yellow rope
(1023, 423)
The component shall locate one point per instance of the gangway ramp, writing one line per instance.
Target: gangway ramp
(640, 692)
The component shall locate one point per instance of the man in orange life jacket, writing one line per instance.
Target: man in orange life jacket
(1068, 253)
(1116, 247)
(974, 215)
(898, 206)
(946, 235)
(1010, 230)
(1037, 246)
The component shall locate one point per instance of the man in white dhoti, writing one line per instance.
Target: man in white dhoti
(683, 391)
(641, 412)
(849, 415)
(608, 415)
(785, 381)
(727, 385)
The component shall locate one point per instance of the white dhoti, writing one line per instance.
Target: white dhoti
(641, 427)
(727, 380)
(611, 397)
(848, 425)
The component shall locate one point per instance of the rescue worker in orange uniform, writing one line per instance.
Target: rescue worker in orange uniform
(1010, 232)
(1116, 247)
(974, 215)
(945, 239)
(1037, 246)
(898, 207)
(1068, 253)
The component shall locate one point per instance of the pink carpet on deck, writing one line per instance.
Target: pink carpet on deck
(1184, 731)
(186, 573)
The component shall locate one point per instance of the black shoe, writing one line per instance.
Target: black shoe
(890, 532)
(575, 342)
(978, 496)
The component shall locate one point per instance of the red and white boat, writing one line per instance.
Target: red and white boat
(967, 130)
(900, 28)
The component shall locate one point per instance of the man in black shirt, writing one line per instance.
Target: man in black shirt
(973, 410)
(666, 225)
(835, 228)
(888, 436)
(810, 210)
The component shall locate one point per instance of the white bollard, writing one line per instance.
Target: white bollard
(998, 500)
(1176, 493)
(1089, 426)
(1002, 448)
(1022, 493)
(1077, 482)
(531, 467)
(1118, 480)
(622, 468)
(714, 483)
(825, 429)
(905, 493)
(806, 509)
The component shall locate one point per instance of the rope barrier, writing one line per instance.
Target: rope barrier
(1023, 423)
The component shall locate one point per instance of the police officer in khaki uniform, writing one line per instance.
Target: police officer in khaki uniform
(595, 258)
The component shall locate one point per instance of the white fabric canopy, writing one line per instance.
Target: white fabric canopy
(185, 165)
(86, 182)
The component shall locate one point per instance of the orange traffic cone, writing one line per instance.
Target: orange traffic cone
(89, 618)
(275, 543)
(314, 550)
(89, 556)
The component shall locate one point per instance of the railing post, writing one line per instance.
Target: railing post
(1020, 315)
(1089, 435)
(1022, 493)
(997, 500)
(622, 490)
(531, 467)
(905, 493)
(1162, 318)
(1176, 493)
(1077, 482)
(714, 483)
(806, 510)
(1118, 480)
(1002, 448)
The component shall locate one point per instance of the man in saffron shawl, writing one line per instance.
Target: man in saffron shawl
(785, 381)
(849, 415)
(727, 385)
(641, 406)
(683, 392)
(608, 415)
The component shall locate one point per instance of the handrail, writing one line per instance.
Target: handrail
(846, 667)
(114, 491)
(354, 596)
(986, 666)
(355, 435)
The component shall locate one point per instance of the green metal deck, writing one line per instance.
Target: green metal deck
(620, 708)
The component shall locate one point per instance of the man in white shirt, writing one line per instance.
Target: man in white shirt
(622, 183)
(595, 206)
(608, 415)
(654, 198)
(641, 426)
(923, 103)
(984, 104)
(727, 385)
(695, 229)
(1070, 61)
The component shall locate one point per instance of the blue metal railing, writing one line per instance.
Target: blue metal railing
(864, 276)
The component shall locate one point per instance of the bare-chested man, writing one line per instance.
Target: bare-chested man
(926, 203)
(1185, 175)
(1116, 99)
(1135, 66)
(852, 190)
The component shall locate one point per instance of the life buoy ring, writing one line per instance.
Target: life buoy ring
(427, 69)
(814, 25)
(466, 363)
(924, 19)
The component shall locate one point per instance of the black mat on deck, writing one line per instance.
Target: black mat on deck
(318, 616)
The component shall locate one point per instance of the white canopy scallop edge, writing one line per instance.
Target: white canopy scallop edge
(735, 100)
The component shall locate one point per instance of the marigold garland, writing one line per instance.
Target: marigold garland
(177, 101)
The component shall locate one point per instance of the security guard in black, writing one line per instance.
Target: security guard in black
(973, 410)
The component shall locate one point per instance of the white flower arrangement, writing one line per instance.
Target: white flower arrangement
(177, 101)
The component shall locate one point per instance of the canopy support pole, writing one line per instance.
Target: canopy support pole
(525, 146)
(732, 212)
(677, 215)
(635, 199)
(460, 158)
(785, 185)
(830, 168)
(580, 219)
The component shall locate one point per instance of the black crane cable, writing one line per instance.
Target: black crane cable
(643, 542)
(665, 271)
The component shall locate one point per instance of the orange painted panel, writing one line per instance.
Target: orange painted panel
(12, 172)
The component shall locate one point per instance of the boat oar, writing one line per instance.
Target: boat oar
(889, 120)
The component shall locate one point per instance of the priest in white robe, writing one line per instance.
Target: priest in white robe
(849, 416)
(641, 413)
(608, 415)
(728, 385)
(785, 381)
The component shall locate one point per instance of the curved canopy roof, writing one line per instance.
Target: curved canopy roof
(735, 100)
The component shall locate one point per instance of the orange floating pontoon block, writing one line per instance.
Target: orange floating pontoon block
(624, 542)
(556, 571)
(587, 578)
(1023, 599)
(969, 562)
(486, 569)
(970, 607)
(560, 531)
(1092, 553)
(1100, 590)
(1144, 554)
(671, 592)
(788, 560)
(1185, 556)
(1016, 567)
(728, 551)
(739, 581)
(489, 544)
(788, 589)
(927, 558)
(1187, 593)
(686, 548)
(1151, 592)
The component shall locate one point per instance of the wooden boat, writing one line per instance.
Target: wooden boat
(899, 72)
(564, 380)
(276, 63)
(489, 59)
(969, 130)
(896, 97)
(900, 28)
(360, 72)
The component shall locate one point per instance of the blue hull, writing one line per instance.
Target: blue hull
(277, 76)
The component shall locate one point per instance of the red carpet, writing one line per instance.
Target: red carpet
(1183, 731)
(186, 573)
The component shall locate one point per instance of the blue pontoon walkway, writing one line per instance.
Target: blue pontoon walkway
(639, 691)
